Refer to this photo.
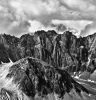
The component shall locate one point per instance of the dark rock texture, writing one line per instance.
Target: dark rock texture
(42, 63)
(34, 77)
(62, 50)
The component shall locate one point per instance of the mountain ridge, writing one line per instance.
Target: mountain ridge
(30, 64)
(33, 79)
(62, 50)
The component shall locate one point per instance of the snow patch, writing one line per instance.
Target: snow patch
(77, 77)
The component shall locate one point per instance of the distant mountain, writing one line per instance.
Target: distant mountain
(59, 27)
(74, 31)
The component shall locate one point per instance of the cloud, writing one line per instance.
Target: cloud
(34, 8)
(14, 27)
(36, 25)
(15, 15)
(78, 25)
(19, 28)
(89, 29)
(80, 5)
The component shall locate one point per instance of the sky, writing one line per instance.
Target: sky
(18, 17)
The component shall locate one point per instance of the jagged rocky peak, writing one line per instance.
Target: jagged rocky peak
(8, 39)
(62, 50)
(17, 48)
(61, 28)
(45, 78)
(34, 79)
(44, 34)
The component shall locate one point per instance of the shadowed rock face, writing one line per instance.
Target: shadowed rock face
(34, 78)
(44, 73)
(62, 50)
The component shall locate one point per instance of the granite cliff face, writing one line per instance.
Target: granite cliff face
(63, 50)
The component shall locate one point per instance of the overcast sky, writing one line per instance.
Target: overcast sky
(22, 16)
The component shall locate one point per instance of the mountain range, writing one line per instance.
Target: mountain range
(47, 66)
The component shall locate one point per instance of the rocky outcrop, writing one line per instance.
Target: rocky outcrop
(32, 79)
(62, 50)
(48, 59)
